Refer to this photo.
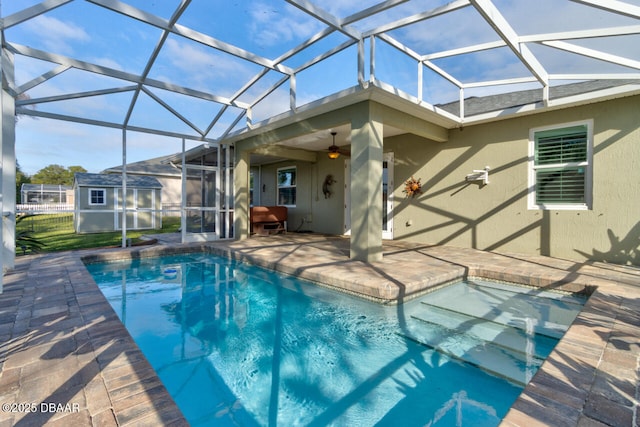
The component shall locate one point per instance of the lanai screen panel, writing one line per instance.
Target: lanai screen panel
(202, 70)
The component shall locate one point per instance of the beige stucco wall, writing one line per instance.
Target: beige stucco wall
(171, 194)
(308, 195)
(320, 214)
(496, 217)
(326, 214)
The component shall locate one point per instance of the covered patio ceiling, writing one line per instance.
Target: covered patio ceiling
(209, 71)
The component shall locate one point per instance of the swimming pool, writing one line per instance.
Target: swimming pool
(240, 345)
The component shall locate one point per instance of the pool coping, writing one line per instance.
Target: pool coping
(591, 377)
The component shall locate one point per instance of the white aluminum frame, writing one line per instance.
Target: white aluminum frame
(507, 37)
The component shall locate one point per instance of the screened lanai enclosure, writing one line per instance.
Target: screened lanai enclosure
(207, 203)
(41, 193)
(244, 85)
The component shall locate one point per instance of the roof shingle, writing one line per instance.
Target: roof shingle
(114, 180)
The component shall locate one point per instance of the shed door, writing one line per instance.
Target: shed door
(141, 204)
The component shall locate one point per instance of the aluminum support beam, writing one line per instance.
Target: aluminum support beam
(8, 164)
(501, 26)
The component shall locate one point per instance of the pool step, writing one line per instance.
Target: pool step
(510, 338)
(505, 330)
(573, 300)
(540, 316)
(512, 365)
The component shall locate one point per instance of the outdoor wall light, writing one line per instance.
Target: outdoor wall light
(479, 175)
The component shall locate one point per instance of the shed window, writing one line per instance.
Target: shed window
(560, 172)
(287, 186)
(97, 196)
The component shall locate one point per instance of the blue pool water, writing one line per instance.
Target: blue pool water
(237, 345)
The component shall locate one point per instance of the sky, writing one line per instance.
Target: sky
(87, 32)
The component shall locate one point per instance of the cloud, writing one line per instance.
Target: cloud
(65, 144)
(277, 102)
(547, 16)
(204, 64)
(276, 27)
(108, 62)
(56, 34)
(70, 144)
(466, 27)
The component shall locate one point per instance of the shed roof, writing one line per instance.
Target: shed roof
(114, 180)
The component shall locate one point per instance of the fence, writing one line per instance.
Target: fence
(168, 209)
(44, 216)
(38, 208)
(47, 216)
(42, 222)
(171, 209)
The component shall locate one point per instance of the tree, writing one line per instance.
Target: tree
(21, 178)
(24, 97)
(56, 174)
(52, 174)
(76, 169)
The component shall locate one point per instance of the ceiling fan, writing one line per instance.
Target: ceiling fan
(335, 151)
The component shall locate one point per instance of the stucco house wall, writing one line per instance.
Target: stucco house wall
(328, 213)
(304, 193)
(496, 216)
(313, 211)
(171, 194)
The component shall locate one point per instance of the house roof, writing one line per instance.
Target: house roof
(114, 180)
(505, 101)
(478, 110)
(158, 166)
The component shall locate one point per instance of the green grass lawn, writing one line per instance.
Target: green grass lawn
(56, 233)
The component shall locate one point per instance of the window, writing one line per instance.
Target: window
(287, 186)
(97, 196)
(560, 167)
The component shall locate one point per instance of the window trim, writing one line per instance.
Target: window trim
(278, 186)
(104, 196)
(588, 165)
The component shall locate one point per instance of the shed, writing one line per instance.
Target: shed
(98, 202)
(165, 172)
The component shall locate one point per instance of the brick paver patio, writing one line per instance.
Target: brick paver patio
(65, 358)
